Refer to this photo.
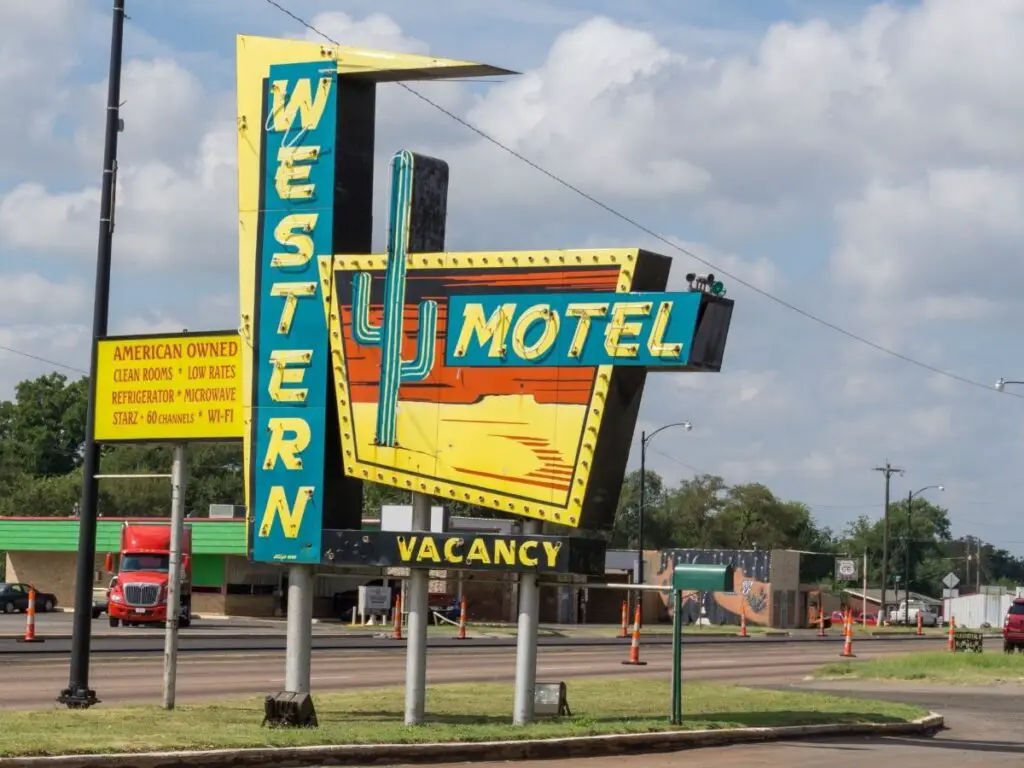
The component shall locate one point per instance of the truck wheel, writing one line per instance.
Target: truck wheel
(114, 622)
(1008, 647)
(8, 607)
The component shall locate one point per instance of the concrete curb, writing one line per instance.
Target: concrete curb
(391, 754)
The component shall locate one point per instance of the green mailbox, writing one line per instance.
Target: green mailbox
(704, 578)
(691, 578)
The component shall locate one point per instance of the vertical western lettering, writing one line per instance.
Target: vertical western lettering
(301, 101)
(290, 515)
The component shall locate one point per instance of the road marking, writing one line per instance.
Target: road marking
(314, 678)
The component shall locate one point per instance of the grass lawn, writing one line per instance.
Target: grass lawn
(456, 712)
(934, 667)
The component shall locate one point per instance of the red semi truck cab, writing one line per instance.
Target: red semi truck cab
(138, 592)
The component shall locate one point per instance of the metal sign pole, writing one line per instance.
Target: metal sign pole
(174, 575)
(299, 630)
(677, 657)
(417, 591)
(526, 645)
(78, 694)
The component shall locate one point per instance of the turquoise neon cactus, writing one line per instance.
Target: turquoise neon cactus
(388, 336)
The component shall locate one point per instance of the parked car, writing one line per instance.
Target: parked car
(14, 597)
(100, 599)
(929, 615)
(866, 619)
(1013, 627)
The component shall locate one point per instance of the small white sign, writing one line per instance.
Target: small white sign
(950, 580)
(374, 601)
(846, 569)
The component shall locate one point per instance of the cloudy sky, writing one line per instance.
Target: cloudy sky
(859, 164)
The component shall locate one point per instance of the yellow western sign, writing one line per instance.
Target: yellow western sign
(169, 388)
(507, 380)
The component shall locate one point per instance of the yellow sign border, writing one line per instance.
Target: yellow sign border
(624, 258)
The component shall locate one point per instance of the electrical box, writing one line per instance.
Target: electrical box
(551, 699)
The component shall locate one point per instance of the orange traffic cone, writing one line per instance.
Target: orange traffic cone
(950, 645)
(462, 621)
(920, 625)
(743, 620)
(634, 648)
(30, 620)
(848, 644)
(821, 623)
(396, 630)
(624, 631)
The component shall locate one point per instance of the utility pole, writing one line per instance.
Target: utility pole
(977, 569)
(174, 576)
(906, 559)
(78, 695)
(644, 440)
(888, 470)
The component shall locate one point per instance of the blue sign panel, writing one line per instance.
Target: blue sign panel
(292, 348)
(564, 329)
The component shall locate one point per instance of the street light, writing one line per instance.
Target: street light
(1001, 383)
(644, 440)
(906, 554)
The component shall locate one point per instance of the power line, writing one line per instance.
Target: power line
(662, 239)
(54, 363)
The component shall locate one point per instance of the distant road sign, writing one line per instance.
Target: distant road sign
(950, 580)
(846, 569)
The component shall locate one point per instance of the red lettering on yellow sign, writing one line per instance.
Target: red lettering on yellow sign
(169, 389)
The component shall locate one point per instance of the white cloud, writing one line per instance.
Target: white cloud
(377, 31)
(165, 217)
(936, 245)
(29, 296)
(42, 346)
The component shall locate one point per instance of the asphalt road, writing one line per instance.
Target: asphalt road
(33, 681)
(982, 730)
(256, 635)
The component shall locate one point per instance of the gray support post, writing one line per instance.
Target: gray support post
(416, 645)
(526, 645)
(299, 640)
(174, 575)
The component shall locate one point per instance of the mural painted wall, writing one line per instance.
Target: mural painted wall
(752, 585)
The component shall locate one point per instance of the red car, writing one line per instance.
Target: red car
(1013, 627)
(867, 619)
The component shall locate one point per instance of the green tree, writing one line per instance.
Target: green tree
(753, 516)
(688, 516)
(626, 529)
(44, 428)
(925, 538)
